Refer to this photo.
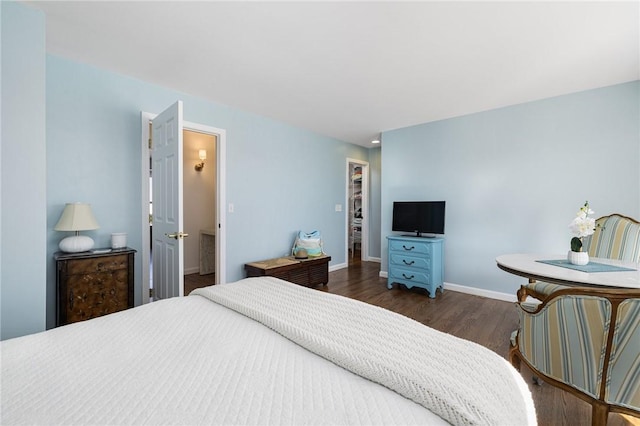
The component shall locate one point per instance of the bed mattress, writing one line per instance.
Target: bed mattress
(192, 360)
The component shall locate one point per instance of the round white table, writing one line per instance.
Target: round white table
(527, 265)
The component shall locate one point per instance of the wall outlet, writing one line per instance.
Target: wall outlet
(230, 207)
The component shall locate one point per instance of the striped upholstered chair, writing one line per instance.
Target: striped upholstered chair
(587, 340)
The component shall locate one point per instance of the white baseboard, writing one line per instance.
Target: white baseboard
(195, 270)
(471, 290)
(346, 265)
(480, 292)
(338, 266)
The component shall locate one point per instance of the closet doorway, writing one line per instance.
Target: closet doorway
(357, 211)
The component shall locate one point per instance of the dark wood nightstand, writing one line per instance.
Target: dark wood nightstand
(93, 283)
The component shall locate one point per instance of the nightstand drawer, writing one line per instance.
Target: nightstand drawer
(96, 295)
(97, 265)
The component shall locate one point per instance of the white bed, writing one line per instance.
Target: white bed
(214, 358)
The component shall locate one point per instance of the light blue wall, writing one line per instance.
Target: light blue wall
(507, 174)
(513, 178)
(280, 178)
(23, 184)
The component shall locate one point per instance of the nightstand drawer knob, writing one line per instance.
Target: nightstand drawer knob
(408, 248)
(408, 263)
(408, 277)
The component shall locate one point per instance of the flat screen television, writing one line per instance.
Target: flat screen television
(418, 217)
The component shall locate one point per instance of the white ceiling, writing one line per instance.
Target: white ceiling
(351, 70)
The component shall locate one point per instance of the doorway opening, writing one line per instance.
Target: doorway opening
(199, 198)
(203, 198)
(357, 211)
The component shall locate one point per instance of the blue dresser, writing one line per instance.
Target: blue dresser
(416, 262)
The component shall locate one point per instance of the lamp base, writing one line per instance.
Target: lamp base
(76, 244)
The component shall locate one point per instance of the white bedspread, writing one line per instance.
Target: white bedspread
(462, 382)
(190, 361)
(185, 361)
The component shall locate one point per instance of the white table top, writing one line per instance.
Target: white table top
(525, 265)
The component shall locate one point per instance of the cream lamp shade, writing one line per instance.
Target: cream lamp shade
(76, 217)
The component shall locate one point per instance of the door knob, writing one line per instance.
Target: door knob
(177, 236)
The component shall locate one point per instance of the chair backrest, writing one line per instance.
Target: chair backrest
(566, 347)
(587, 339)
(616, 237)
(624, 368)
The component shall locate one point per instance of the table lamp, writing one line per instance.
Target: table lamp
(76, 217)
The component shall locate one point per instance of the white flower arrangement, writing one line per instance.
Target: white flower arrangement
(582, 226)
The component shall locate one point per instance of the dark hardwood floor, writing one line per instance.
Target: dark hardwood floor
(193, 281)
(487, 322)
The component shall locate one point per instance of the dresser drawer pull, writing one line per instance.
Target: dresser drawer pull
(408, 248)
(71, 299)
(408, 263)
(408, 278)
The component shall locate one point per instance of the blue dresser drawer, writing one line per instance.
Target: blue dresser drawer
(416, 262)
(404, 261)
(404, 246)
(405, 275)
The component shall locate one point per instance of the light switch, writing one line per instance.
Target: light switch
(230, 207)
(338, 207)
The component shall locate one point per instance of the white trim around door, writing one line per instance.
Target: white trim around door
(364, 245)
(221, 198)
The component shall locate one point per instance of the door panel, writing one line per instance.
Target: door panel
(166, 153)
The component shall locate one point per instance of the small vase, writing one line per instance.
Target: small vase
(578, 257)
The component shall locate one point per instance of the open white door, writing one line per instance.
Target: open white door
(166, 154)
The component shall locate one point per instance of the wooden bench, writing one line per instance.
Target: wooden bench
(307, 272)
